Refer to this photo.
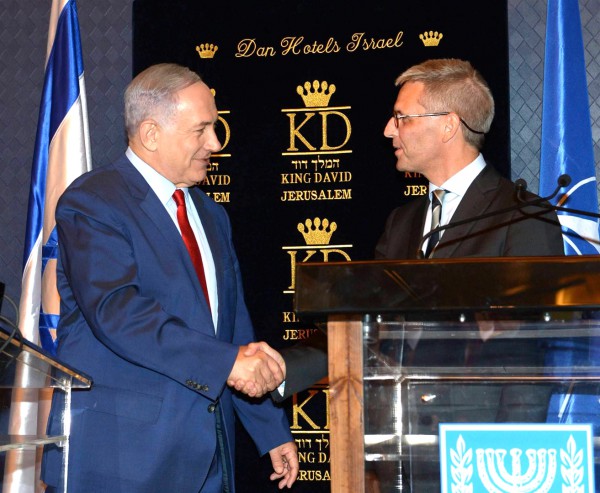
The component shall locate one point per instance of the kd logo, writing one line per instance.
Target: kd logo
(312, 127)
(317, 236)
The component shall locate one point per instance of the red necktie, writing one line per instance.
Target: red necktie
(190, 240)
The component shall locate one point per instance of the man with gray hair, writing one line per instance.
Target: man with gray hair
(152, 308)
(443, 110)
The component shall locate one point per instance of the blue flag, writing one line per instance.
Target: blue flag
(567, 148)
(62, 152)
(566, 130)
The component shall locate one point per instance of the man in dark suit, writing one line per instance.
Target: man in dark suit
(442, 112)
(159, 333)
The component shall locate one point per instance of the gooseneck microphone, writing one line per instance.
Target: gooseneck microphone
(520, 187)
(565, 181)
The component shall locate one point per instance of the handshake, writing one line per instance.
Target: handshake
(258, 369)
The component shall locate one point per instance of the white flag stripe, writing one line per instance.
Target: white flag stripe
(586, 228)
(67, 159)
(29, 306)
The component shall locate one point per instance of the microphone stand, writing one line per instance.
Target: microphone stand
(520, 185)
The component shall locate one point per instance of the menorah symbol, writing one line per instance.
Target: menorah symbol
(538, 477)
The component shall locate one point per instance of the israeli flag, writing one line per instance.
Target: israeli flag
(62, 153)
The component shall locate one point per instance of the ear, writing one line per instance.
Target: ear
(149, 132)
(451, 126)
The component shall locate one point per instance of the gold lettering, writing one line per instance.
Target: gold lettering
(308, 457)
(248, 47)
(295, 178)
(415, 190)
(377, 44)
(219, 196)
(227, 129)
(290, 44)
(297, 410)
(290, 334)
(355, 43)
(293, 253)
(295, 132)
(333, 177)
(308, 195)
(290, 317)
(217, 180)
(324, 116)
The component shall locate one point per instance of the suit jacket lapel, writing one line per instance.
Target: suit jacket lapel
(475, 202)
(157, 215)
(416, 229)
(213, 238)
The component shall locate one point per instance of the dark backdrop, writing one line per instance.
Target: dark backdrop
(332, 160)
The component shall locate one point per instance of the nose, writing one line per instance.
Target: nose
(213, 144)
(390, 129)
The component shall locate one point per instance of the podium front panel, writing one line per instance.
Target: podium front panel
(419, 375)
(500, 342)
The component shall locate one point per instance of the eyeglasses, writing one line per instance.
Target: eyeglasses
(398, 116)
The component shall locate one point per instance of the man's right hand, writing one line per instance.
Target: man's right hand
(255, 372)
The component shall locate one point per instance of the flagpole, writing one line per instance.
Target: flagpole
(62, 152)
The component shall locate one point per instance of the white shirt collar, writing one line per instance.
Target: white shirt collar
(461, 181)
(160, 185)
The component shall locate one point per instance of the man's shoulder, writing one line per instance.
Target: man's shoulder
(108, 174)
(103, 184)
(411, 207)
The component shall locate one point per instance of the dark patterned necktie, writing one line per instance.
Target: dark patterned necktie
(436, 215)
(190, 240)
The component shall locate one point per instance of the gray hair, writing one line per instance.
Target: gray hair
(454, 85)
(152, 94)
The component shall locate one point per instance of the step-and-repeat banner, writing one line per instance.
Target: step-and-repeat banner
(304, 89)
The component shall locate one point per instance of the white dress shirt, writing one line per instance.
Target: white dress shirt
(164, 190)
(456, 187)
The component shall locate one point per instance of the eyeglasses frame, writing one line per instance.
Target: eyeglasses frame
(397, 117)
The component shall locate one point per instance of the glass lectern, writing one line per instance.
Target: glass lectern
(28, 378)
(416, 344)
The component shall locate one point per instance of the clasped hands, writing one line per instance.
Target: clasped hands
(258, 369)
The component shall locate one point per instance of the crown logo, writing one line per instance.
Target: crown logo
(206, 50)
(317, 232)
(431, 38)
(316, 96)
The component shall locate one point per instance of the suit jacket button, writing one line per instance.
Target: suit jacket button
(189, 383)
(212, 408)
(204, 388)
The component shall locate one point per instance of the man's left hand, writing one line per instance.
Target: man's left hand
(285, 464)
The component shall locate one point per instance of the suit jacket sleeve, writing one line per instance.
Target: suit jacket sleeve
(306, 364)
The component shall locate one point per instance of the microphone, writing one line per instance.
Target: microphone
(564, 180)
(520, 186)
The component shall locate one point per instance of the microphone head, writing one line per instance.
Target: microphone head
(564, 180)
(521, 185)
